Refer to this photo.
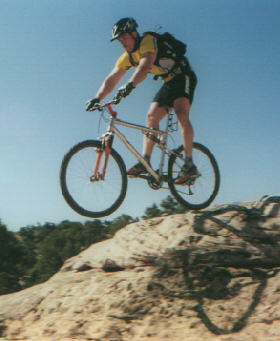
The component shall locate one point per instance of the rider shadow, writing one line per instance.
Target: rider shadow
(232, 277)
(210, 287)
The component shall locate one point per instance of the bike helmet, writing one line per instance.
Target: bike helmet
(124, 25)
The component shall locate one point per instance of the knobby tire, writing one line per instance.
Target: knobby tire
(205, 187)
(92, 199)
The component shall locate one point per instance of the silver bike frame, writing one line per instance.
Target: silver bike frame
(162, 144)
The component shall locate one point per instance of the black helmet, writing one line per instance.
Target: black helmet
(124, 25)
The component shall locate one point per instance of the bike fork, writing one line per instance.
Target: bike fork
(106, 144)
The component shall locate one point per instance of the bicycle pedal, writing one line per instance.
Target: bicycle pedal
(190, 181)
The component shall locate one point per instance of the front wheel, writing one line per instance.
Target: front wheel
(198, 193)
(92, 198)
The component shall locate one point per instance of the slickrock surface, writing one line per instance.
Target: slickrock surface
(209, 275)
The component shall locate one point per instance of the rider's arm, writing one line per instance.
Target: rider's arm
(110, 82)
(145, 65)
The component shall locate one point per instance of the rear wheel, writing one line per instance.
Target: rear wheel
(199, 192)
(87, 196)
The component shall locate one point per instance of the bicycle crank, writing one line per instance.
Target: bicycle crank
(154, 184)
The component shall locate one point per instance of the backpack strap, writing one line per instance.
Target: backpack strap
(137, 45)
(132, 61)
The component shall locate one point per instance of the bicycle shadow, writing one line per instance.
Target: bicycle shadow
(231, 274)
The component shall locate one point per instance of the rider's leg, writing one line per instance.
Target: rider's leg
(182, 110)
(154, 115)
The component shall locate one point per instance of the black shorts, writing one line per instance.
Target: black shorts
(182, 85)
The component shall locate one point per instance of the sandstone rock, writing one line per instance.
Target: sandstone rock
(212, 274)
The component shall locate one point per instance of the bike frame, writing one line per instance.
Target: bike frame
(160, 140)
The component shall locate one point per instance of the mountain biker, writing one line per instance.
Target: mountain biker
(177, 90)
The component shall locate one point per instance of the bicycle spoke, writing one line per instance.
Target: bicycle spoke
(199, 192)
(92, 198)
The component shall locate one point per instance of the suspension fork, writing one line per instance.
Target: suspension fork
(105, 148)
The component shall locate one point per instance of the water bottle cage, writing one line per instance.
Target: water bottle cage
(172, 124)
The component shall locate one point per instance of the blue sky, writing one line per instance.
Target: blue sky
(55, 54)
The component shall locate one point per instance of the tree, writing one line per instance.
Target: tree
(120, 222)
(152, 212)
(171, 206)
(11, 265)
(35, 253)
(96, 231)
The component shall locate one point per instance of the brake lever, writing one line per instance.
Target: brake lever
(96, 107)
(116, 100)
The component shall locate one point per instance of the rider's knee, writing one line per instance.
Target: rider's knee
(183, 117)
(182, 108)
(155, 115)
(151, 117)
(152, 120)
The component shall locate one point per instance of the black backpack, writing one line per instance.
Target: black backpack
(168, 47)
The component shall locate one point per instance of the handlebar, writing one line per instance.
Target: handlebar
(107, 105)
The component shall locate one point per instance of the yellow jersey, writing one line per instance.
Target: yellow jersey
(147, 44)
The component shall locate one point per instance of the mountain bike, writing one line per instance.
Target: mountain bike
(93, 175)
